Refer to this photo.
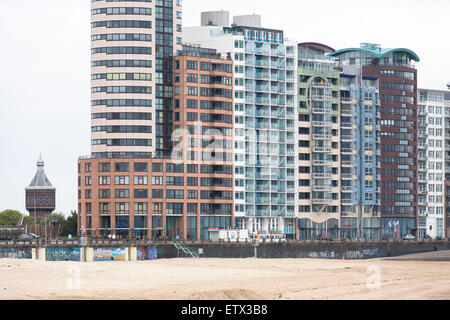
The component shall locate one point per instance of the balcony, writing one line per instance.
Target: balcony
(345, 137)
(323, 110)
(322, 136)
(347, 188)
(322, 98)
(321, 84)
(322, 123)
(327, 163)
(347, 163)
(323, 149)
(322, 175)
(322, 188)
(347, 175)
(322, 201)
(347, 150)
(346, 125)
(348, 201)
(346, 100)
(347, 110)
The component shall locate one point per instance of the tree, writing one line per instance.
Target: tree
(54, 219)
(71, 225)
(12, 218)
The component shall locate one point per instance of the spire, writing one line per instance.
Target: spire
(40, 180)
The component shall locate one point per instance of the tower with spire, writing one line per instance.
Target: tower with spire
(40, 195)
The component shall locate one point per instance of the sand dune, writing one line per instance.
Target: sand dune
(229, 279)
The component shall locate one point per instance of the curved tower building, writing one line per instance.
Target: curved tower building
(133, 44)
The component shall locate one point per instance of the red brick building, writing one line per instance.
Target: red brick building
(178, 198)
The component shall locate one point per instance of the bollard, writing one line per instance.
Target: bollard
(41, 254)
(89, 254)
(132, 253)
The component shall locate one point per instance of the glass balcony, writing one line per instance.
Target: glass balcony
(262, 63)
(346, 100)
(262, 87)
(346, 125)
(317, 162)
(250, 61)
(262, 76)
(322, 136)
(323, 149)
(322, 110)
(322, 188)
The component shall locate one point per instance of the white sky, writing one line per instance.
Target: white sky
(45, 55)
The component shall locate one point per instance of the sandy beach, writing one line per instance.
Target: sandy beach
(246, 279)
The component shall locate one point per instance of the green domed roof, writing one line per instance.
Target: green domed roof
(378, 52)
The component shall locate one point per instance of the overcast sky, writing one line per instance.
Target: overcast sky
(45, 68)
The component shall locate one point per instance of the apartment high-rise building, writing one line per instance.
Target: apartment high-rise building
(395, 69)
(338, 148)
(360, 150)
(319, 143)
(431, 163)
(265, 118)
(133, 44)
(447, 161)
(146, 89)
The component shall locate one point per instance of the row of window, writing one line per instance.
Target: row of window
(127, 10)
(159, 194)
(122, 63)
(122, 116)
(122, 129)
(122, 103)
(122, 50)
(208, 105)
(123, 89)
(209, 92)
(122, 37)
(207, 66)
(159, 167)
(122, 76)
(123, 142)
(141, 208)
(122, 24)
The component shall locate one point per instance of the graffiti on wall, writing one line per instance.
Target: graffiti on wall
(110, 254)
(362, 254)
(63, 254)
(348, 254)
(24, 253)
(147, 253)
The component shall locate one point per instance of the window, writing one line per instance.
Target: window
(192, 194)
(122, 167)
(104, 167)
(104, 180)
(157, 194)
(104, 194)
(141, 193)
(175, 181)
(174, 208)
(175, 168)
(141, 180)
(140, 167)
(157, 167)
(122, 193)
(174, 194)
(157, 208)
(157, 181)
(122, 180)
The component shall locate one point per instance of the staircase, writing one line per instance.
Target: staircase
(189, 252)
